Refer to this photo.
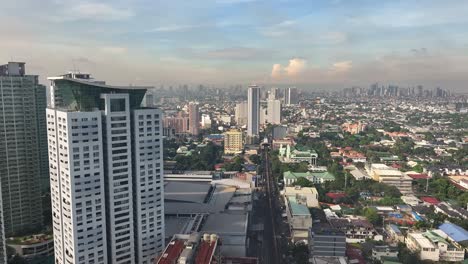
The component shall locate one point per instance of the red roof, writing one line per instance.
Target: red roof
(336, 195)
(172, 252)
(417, 176)
(205, 252)
(430, 200)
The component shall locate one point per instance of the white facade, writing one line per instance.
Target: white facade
(290, 96)
(119, 187)
(77, 186)
(106, 176)
(253, 110)
(241, 114)
(419, 243)
(148, 183)
(274, 112)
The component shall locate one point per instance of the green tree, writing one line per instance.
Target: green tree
(303, 182)
(372, 215)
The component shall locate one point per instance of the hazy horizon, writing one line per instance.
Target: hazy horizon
(330, 44)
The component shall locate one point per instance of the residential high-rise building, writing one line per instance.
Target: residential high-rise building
(23, 148)
(194, 118)
(180, 123)
(105, 155)
(3, 254)
(253, 110)
(274, 112)
(273, 94)
(290, 96)
(241, 113)
(233, 143)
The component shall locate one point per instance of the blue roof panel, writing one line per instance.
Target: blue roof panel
(455, 232)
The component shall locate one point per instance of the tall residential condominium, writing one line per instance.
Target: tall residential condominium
(241, 113)
(253, 110)
(3, 254)
(274, 112)
(23, 148)
(290, 96)
(273, 94)
(194, 118)
(105, 172)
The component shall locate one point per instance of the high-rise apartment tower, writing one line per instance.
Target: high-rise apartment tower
(23, 148)
(105, 155)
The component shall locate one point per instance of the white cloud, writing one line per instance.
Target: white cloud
(342, 66)
(277, 71)
(173, 28)
(278, 30)
(93, 11)
(295, 67)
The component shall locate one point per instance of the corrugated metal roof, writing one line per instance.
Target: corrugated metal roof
(455, 232)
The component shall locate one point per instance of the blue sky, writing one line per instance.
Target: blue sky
(329, 43)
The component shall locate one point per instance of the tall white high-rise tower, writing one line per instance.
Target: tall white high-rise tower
(253, 110)
(105, 156)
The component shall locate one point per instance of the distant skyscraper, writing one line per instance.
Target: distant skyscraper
(241, 113)
(274, 112)
(290, 96)
(106, 173)
(253, 110)
(23, 148)
(274, 94)
(194, 118)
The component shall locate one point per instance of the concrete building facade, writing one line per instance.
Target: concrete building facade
(194, 118)
(233, 142)
(106, 173)
(23, 148)
(274, 112)
(253, 111)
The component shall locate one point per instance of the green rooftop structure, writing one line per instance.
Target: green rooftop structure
(290, 177)
(298, 154)
(297, 209)
(78, 92)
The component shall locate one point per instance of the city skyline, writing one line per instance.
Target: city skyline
(324, 44)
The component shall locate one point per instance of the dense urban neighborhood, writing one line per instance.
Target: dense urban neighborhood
(241, 175)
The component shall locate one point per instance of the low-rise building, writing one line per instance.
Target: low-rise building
(282, 143)
(416, 242)
(431, 245)
(292, 154)
(327, 243)
(395, 233)
(290, 177)
(455, 234)
(384, 252)
(307, 195)
(390, 176)
(356, 230)
(32, 246)
(450, 210)
(191, 248)
(410, 200)
(299, 218)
